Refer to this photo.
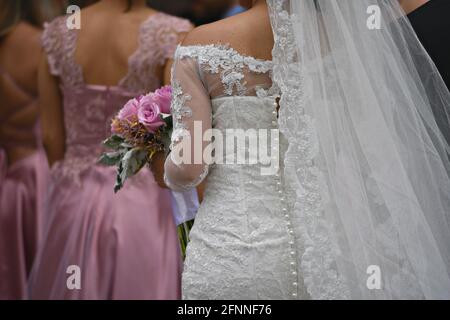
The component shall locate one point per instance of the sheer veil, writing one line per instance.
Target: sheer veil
(366, 114)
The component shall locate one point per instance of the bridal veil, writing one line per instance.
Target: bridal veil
(366, 114)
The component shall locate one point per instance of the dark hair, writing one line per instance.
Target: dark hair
(129, 5)
(14, 11)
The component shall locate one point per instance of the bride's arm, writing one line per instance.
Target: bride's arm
(185, 167)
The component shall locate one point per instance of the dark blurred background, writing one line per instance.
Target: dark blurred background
(198, 11)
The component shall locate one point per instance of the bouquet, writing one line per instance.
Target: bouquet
(140, 130)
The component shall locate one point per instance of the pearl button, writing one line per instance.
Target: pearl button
(295, 284)
(294, 295)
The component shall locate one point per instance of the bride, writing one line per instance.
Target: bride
(359, 208)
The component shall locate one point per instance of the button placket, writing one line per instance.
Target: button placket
(285, 211)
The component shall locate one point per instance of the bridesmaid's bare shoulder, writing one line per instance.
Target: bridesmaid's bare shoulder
(20, 55)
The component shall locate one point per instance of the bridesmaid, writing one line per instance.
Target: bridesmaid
(23, 166)
(121, 246)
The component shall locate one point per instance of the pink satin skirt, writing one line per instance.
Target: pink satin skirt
(23, 188)
(99, 245)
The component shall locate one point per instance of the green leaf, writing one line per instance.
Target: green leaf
(111, 158)
(169, 122)
(130, 164)
(114, 142)
(119, 182)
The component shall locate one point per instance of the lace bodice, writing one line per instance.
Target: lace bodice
(242, 244)
(88, 109)
(203, 73)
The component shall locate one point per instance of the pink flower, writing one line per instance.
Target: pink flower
(163, 97)
(130, 110)
(149, 114)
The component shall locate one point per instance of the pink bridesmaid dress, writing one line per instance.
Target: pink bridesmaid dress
(124, 245)
(23, 186)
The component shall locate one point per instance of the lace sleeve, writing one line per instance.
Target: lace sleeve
(52, 41)
(191, 108)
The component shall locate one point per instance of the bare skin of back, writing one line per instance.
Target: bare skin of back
(19, 59)
(107, 39)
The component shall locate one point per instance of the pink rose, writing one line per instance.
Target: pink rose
(163, 97)
(149, 114)
(130, 110)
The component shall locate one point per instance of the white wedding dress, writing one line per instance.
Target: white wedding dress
(242, 244)
(361, 206)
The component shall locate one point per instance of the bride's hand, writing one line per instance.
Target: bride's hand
(157, 167)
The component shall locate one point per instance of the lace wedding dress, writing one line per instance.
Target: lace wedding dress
(242, 244)
(361, 206)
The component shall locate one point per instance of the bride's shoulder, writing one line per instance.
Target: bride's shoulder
(246, 33)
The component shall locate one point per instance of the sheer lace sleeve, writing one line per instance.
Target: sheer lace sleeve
(191, 109)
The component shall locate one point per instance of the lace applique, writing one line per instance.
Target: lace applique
(160, 29)
(59, 44)
(179, 108)
(226, 61)
(272, 92)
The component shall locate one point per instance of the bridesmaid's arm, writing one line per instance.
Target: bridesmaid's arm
(52, 118)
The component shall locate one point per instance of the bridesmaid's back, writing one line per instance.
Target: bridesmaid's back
(19, 59)
(115, 56)
(107, 39)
